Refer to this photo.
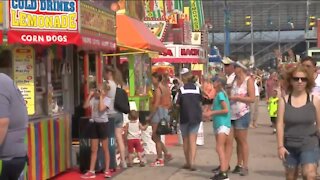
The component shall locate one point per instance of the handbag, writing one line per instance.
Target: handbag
(121, 102)
(164, 125)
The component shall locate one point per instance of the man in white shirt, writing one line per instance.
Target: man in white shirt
(255, 106)
(229, 71)
(311, 64)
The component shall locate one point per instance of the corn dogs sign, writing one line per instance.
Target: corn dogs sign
(44, 21)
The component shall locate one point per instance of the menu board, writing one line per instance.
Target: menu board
(23, 74)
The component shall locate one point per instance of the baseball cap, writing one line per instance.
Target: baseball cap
(184, 71)
(227, 60)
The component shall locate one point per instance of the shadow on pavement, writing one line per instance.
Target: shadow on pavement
(271, 173)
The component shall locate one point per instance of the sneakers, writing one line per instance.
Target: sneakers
(220, 176)
(168, 157)
(158, 163)
(107, 174)
(89, 175)
(237, 170)
(142, 164)
(124, 165)
(217, 170)
(244, 172)
(274, 130)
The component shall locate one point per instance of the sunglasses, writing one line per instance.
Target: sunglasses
(303, 79)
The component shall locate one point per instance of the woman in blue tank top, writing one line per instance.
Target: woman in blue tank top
(298, 124)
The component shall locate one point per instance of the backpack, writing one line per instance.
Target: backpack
(121, 101)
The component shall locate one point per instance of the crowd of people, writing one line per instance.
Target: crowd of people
(230, 100)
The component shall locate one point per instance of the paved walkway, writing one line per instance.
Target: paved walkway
(263, 164)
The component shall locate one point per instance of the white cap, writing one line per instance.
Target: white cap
(227, 60)
(184, 71)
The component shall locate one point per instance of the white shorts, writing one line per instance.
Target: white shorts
(222, 130)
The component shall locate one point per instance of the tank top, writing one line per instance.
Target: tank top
(134, 131)
(300, 123)
(239, 109)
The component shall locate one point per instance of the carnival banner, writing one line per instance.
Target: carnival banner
(195, 14)
(97, 20)
(163, 8)
(157, 27)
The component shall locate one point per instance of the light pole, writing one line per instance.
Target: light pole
(279, 28)
(226, 29)
(252, 38)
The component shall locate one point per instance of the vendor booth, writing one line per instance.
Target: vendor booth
(44, 65)
(136, 42)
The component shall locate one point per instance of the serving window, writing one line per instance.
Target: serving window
(41, 73)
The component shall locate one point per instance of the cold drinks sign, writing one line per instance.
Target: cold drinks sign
(43, 22)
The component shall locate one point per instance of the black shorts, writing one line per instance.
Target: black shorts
(273, 119)
(98, 130)
(206, 101)
(13, 168)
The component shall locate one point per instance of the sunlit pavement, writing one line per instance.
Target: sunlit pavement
(263, 162)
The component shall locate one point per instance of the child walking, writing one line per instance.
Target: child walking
(99, 103)
(134, 128)
(273, 108)
(221, 125)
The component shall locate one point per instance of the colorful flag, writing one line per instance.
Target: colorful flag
(195, 15)
(178, 5)
(201, 14)
(168, 7)
(161, 8)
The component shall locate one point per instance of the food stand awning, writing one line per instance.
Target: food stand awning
(133, 33)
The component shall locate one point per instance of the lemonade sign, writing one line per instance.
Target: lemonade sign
(44, 14)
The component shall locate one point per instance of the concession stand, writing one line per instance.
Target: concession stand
(136, 42)
(44, 39)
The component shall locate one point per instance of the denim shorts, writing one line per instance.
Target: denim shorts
(241, 123)
(189, 128)
(294, 159)
(118, 119)
(159, 114)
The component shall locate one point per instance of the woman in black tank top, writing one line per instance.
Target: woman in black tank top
(298, 124)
